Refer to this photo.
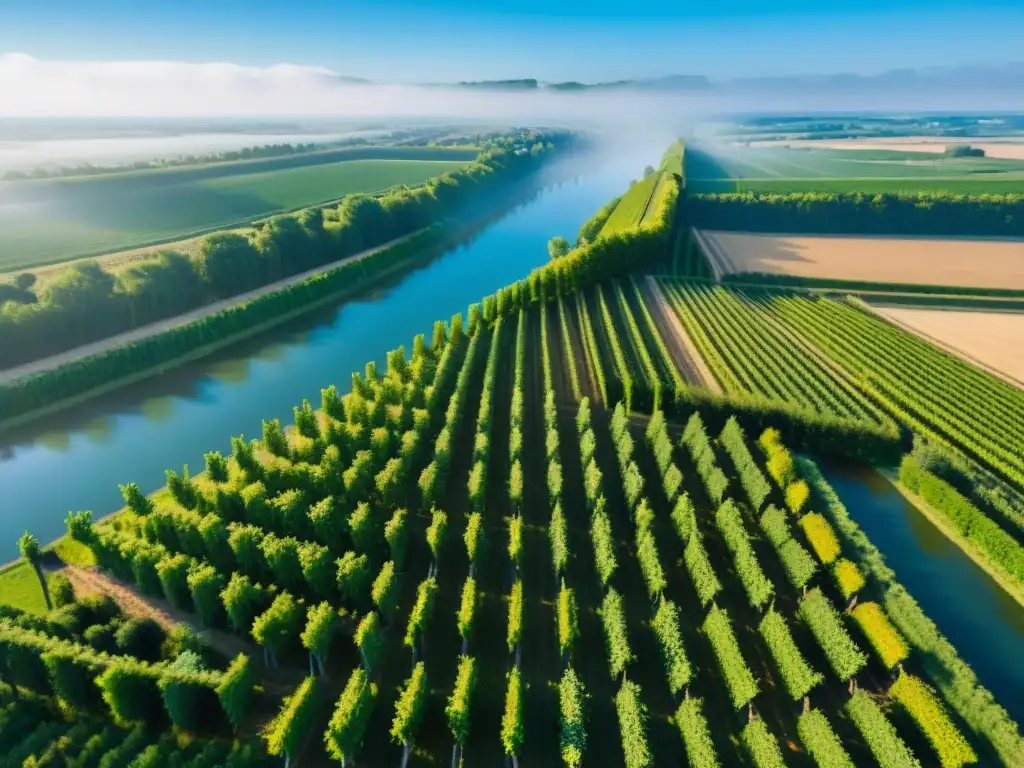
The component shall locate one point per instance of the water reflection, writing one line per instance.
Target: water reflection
(984, 623)
(76, 459)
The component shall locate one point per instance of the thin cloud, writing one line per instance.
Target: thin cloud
(33, 87)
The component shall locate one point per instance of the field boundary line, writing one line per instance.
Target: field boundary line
(943, 345)
(196, 354)
(43, 269)
(698, 366)
(719, 260)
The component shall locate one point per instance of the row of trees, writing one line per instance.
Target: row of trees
(957, 682)
(892, 213)
(28, 394)
(85, 302)
(196, 700)
(997, 546)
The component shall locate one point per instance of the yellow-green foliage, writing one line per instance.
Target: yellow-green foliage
(848, 577)
(673, 159)
(887, 642)
(924, 707)
(821, 536)
(770, 440)
(797, 494)
(780, 467)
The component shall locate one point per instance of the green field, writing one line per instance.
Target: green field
(49, 221)
(739, 169)
(528, 537)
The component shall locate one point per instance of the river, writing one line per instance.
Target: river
(984, 624)
(76, 459)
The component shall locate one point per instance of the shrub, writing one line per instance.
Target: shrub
(888, 644)
(61, 590)
(140, 637)
(924, 707)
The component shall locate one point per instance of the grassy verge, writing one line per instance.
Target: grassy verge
(19, 588)
(1008, 585)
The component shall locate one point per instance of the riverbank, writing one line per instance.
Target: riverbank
(942, 524)
(182, 321)
(75, 459)
(98, 347)
(955, 622)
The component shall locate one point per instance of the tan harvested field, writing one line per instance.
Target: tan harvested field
(993, 340)
(1012, 149)
(921, 261)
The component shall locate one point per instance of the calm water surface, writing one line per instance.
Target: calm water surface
(77, 459)
(984, 624)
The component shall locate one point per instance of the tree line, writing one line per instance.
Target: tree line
(29, 394)
(85, 302)
(891, 213)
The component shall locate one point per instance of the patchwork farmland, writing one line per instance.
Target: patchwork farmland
(43, 222)
(584, 524)
(817, 168)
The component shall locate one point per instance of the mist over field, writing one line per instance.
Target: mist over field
(33, 87)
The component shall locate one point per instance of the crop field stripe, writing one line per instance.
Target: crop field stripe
(730, 344)
(730, 375)
(931, 413)
(866, 186)
(934, 378)
(803, 374)
(788, 338)
(227, 202)
(590, 347)
(802, 381)
(629, 213)
(725, 373)
(567, 350)
(637, 355)
(607, 348)
(747, 343)
(648, 214)
(649, 332)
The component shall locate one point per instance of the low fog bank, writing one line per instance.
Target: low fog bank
(32, 87)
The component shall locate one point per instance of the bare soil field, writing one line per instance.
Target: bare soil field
(1011, 148)
(921, 261)
(991, 340)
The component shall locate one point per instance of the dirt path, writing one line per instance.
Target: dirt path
(89, 581)
(95, 348)
(684, 352)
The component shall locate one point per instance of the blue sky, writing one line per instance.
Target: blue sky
(548, 39)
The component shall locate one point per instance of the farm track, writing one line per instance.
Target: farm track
(128, 337)
(684, 353)
(93, 581)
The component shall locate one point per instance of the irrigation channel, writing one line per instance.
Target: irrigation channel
(76, 458)
(984, 624)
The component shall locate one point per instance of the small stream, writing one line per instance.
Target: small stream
(984, 623)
